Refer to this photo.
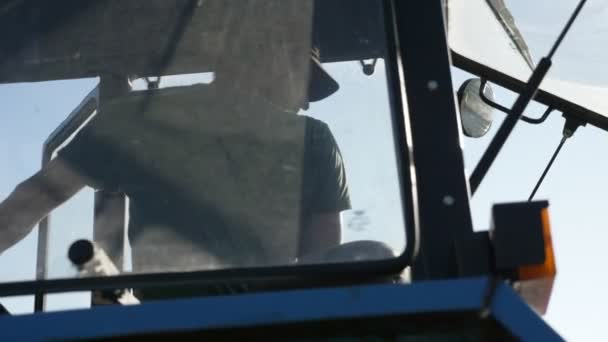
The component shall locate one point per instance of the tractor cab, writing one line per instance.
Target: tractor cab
(232, 168)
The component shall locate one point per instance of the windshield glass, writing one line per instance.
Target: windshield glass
(196, 135)
(511, 36)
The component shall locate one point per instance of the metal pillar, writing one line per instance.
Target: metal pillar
(442, 184)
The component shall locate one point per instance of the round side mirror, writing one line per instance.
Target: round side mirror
(476, 115)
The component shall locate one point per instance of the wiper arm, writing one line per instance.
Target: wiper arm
(505, 18)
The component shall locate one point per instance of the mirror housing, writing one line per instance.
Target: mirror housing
(476, 115)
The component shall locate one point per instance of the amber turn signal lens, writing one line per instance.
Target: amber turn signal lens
(536, 281)
(546, 269)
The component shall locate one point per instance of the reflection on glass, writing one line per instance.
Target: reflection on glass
(232, 146)
(511, 36)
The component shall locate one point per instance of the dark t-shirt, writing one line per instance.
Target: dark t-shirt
(211, 183)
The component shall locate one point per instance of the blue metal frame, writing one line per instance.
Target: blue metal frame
(515, 315)
(300, 306)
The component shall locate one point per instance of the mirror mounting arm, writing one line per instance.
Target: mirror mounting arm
(368, 68)
(524, 118)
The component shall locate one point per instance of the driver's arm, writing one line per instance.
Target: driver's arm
(34, 199)
(322, 229)
(321, 232)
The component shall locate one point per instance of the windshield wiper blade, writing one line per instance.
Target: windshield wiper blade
(507, 21)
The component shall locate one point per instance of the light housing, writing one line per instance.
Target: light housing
(523, 250)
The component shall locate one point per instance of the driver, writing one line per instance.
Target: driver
(217, 175)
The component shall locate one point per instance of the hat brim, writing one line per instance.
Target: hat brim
(321, 84)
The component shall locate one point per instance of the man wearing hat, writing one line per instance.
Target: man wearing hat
(220, 175)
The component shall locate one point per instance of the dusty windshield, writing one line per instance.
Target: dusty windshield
(510, 36)
(196, 135)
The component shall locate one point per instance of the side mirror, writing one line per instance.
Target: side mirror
(475, 114)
